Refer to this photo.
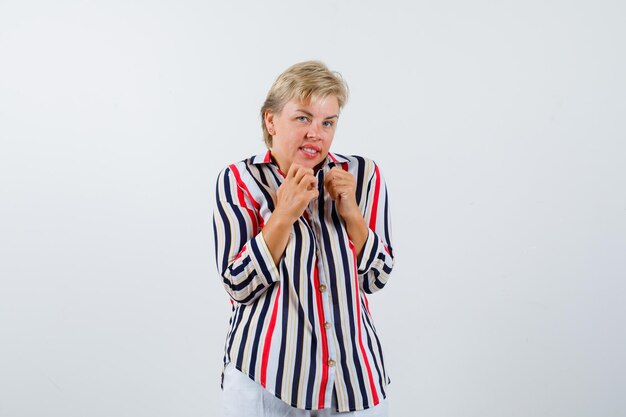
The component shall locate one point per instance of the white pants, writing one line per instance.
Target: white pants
(245, 398)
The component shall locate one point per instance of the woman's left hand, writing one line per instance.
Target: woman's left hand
(341, 185)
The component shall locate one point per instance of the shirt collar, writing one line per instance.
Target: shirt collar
(331, 159)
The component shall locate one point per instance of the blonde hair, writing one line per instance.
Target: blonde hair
(306, 81)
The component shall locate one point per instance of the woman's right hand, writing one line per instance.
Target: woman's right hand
(295, 193)
(292, 198)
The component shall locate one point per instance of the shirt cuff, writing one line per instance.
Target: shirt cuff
(262, 259)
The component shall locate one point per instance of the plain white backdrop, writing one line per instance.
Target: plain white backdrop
(500, 129)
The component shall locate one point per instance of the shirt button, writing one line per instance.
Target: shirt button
(331, 362)
(322, 288)
(328, 325)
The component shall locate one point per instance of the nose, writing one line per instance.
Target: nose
(313, 132)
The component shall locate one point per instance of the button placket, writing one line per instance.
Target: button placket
(328, 323)
(323, 289)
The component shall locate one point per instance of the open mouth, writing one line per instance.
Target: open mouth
(310, 151)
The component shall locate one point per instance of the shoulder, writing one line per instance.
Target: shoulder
(361, 166)
(236, 168)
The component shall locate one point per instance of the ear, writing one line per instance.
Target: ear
(269, 122)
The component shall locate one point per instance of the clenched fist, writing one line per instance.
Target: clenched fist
(341, 185)
(295, 193)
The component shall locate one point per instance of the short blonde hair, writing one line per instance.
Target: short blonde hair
(306, 81)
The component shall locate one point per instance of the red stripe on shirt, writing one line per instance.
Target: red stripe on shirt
(268, 340)
(322, 321)
(240, 252)
(242, 186)
(375, 203)
(360, 336)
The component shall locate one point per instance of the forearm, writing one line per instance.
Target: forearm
(276, 235)
(244, 261)
(357, 231)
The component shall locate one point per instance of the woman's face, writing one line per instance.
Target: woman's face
(302, 132)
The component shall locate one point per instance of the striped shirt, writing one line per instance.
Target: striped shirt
(302, 328)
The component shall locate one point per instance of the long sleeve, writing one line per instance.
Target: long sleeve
(242, 257)
(377, 259)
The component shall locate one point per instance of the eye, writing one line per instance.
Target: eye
(328, 123)
(302, 119)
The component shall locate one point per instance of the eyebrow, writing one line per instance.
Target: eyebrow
(334, 116)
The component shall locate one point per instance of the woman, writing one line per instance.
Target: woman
(301, 236)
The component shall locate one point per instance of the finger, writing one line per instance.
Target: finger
(339, 191)
(327, 182)
(292, 172)
(333, 173)
(330, 178)
(333, 192)
(340, 173)
(328, 186)
(308, 180)
(340, 181)
(313, 194)
(334, 187)
(339, 186)
(312, 184)
(344, 177)
(301, 173)
(344, 190)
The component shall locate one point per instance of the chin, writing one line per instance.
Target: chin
(312, 163)
(309, 163)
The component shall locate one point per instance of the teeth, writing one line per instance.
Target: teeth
(309, 150)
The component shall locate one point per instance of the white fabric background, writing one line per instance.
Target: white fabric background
(499, 127)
